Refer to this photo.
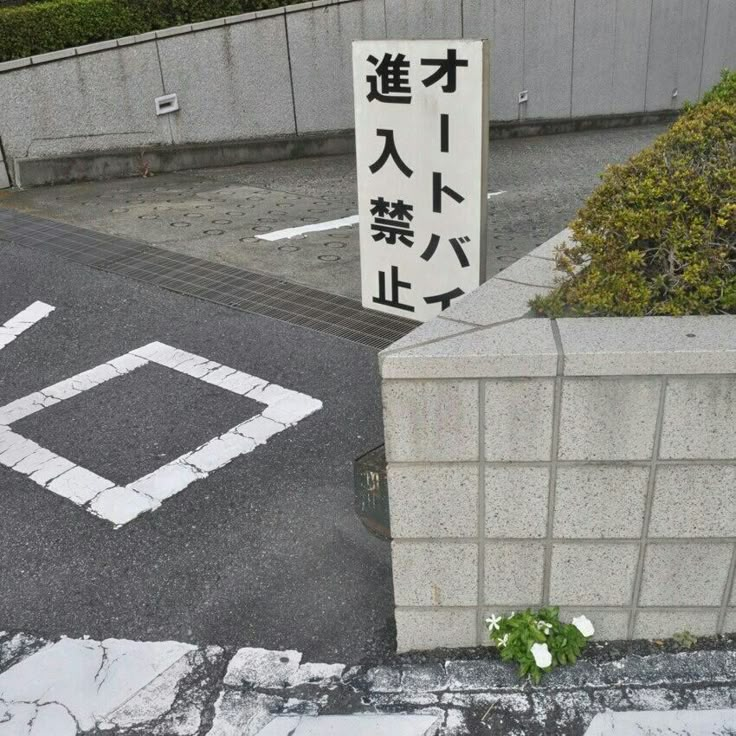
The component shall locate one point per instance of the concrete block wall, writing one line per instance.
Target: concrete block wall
(284, 74)
(584, 463)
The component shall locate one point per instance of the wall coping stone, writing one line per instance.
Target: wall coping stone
(491, 333)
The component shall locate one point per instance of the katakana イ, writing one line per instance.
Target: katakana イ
(396, 284)
(390, 151)
(438, 189)
(457, 246)
(444, 299)
(392, 220)
(445, 68)
(390, 83)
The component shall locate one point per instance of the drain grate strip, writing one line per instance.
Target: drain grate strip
(260, 294)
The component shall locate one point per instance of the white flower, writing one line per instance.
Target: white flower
(542, 656)
(544, 626)
(583, 625)
(492, 622)
(503, 641)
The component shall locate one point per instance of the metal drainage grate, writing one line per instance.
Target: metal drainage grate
(251, 292)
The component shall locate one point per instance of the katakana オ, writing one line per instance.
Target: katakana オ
(396, 284)
(438, 188)
(457, 246)
(445, 68)
(444, 299)
(389, 150)
(392, 220)
(390, 83)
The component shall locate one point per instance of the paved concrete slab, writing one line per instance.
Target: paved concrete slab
(218, 214)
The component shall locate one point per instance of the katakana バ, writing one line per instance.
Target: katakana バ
(390, 83)
(457, 246)
(392, 220)
(438, 189)
(444, 299)
(445, 68)
(395, 286)
(389, 150)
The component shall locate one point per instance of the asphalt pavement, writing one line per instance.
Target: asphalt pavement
(265, 551)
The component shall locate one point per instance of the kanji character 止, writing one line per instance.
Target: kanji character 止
(444, 299)
(457, 246)
(389, 150)
(395, 286)
(445, 68)
(390, 83)
(438, 189)
(391, 220)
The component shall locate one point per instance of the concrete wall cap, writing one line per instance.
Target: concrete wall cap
(51, 56)
(174, 31)
(92, 48)
(525, 347)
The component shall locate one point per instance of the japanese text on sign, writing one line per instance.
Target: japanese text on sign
(421, 120)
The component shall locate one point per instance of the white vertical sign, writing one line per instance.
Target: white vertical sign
(421, 127)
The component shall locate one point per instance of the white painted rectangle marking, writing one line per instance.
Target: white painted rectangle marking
(284, 408)
(421, 138)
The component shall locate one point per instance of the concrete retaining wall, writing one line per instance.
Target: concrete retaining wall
(284, 73)
(586, 463)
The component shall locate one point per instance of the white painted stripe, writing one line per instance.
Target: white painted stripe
(294, 232)
(673, 723)
(22, 321)
(284, 408)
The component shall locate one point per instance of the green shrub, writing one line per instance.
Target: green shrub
(39, 27)
(658, 236)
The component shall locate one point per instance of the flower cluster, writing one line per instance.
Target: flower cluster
(539, 641)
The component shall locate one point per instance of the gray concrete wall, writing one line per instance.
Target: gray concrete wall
(583, 463)
(286, 72)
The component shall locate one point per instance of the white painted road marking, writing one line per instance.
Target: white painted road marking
(100, 496)
(317, 227)
(672, 723)
(22, 321)
(295, 232)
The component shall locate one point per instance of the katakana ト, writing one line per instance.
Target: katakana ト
(445, 68)
(457, 246)
(438, 189)
(396, 284)
(390, 83)
(392, 220)
(390, 151)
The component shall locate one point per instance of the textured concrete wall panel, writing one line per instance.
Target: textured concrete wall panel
(593, 62)
(424, 19)
(720, 42)
(690, 49)
(663, 51)
(548, 44)
(231, 82)
(501, 21)
(87, 103)
(630, 59)
(320, 43)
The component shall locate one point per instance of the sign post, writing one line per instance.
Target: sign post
(421, 128)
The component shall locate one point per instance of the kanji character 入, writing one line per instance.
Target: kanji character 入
(389, 151)
(390, 83)
(445, 68)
